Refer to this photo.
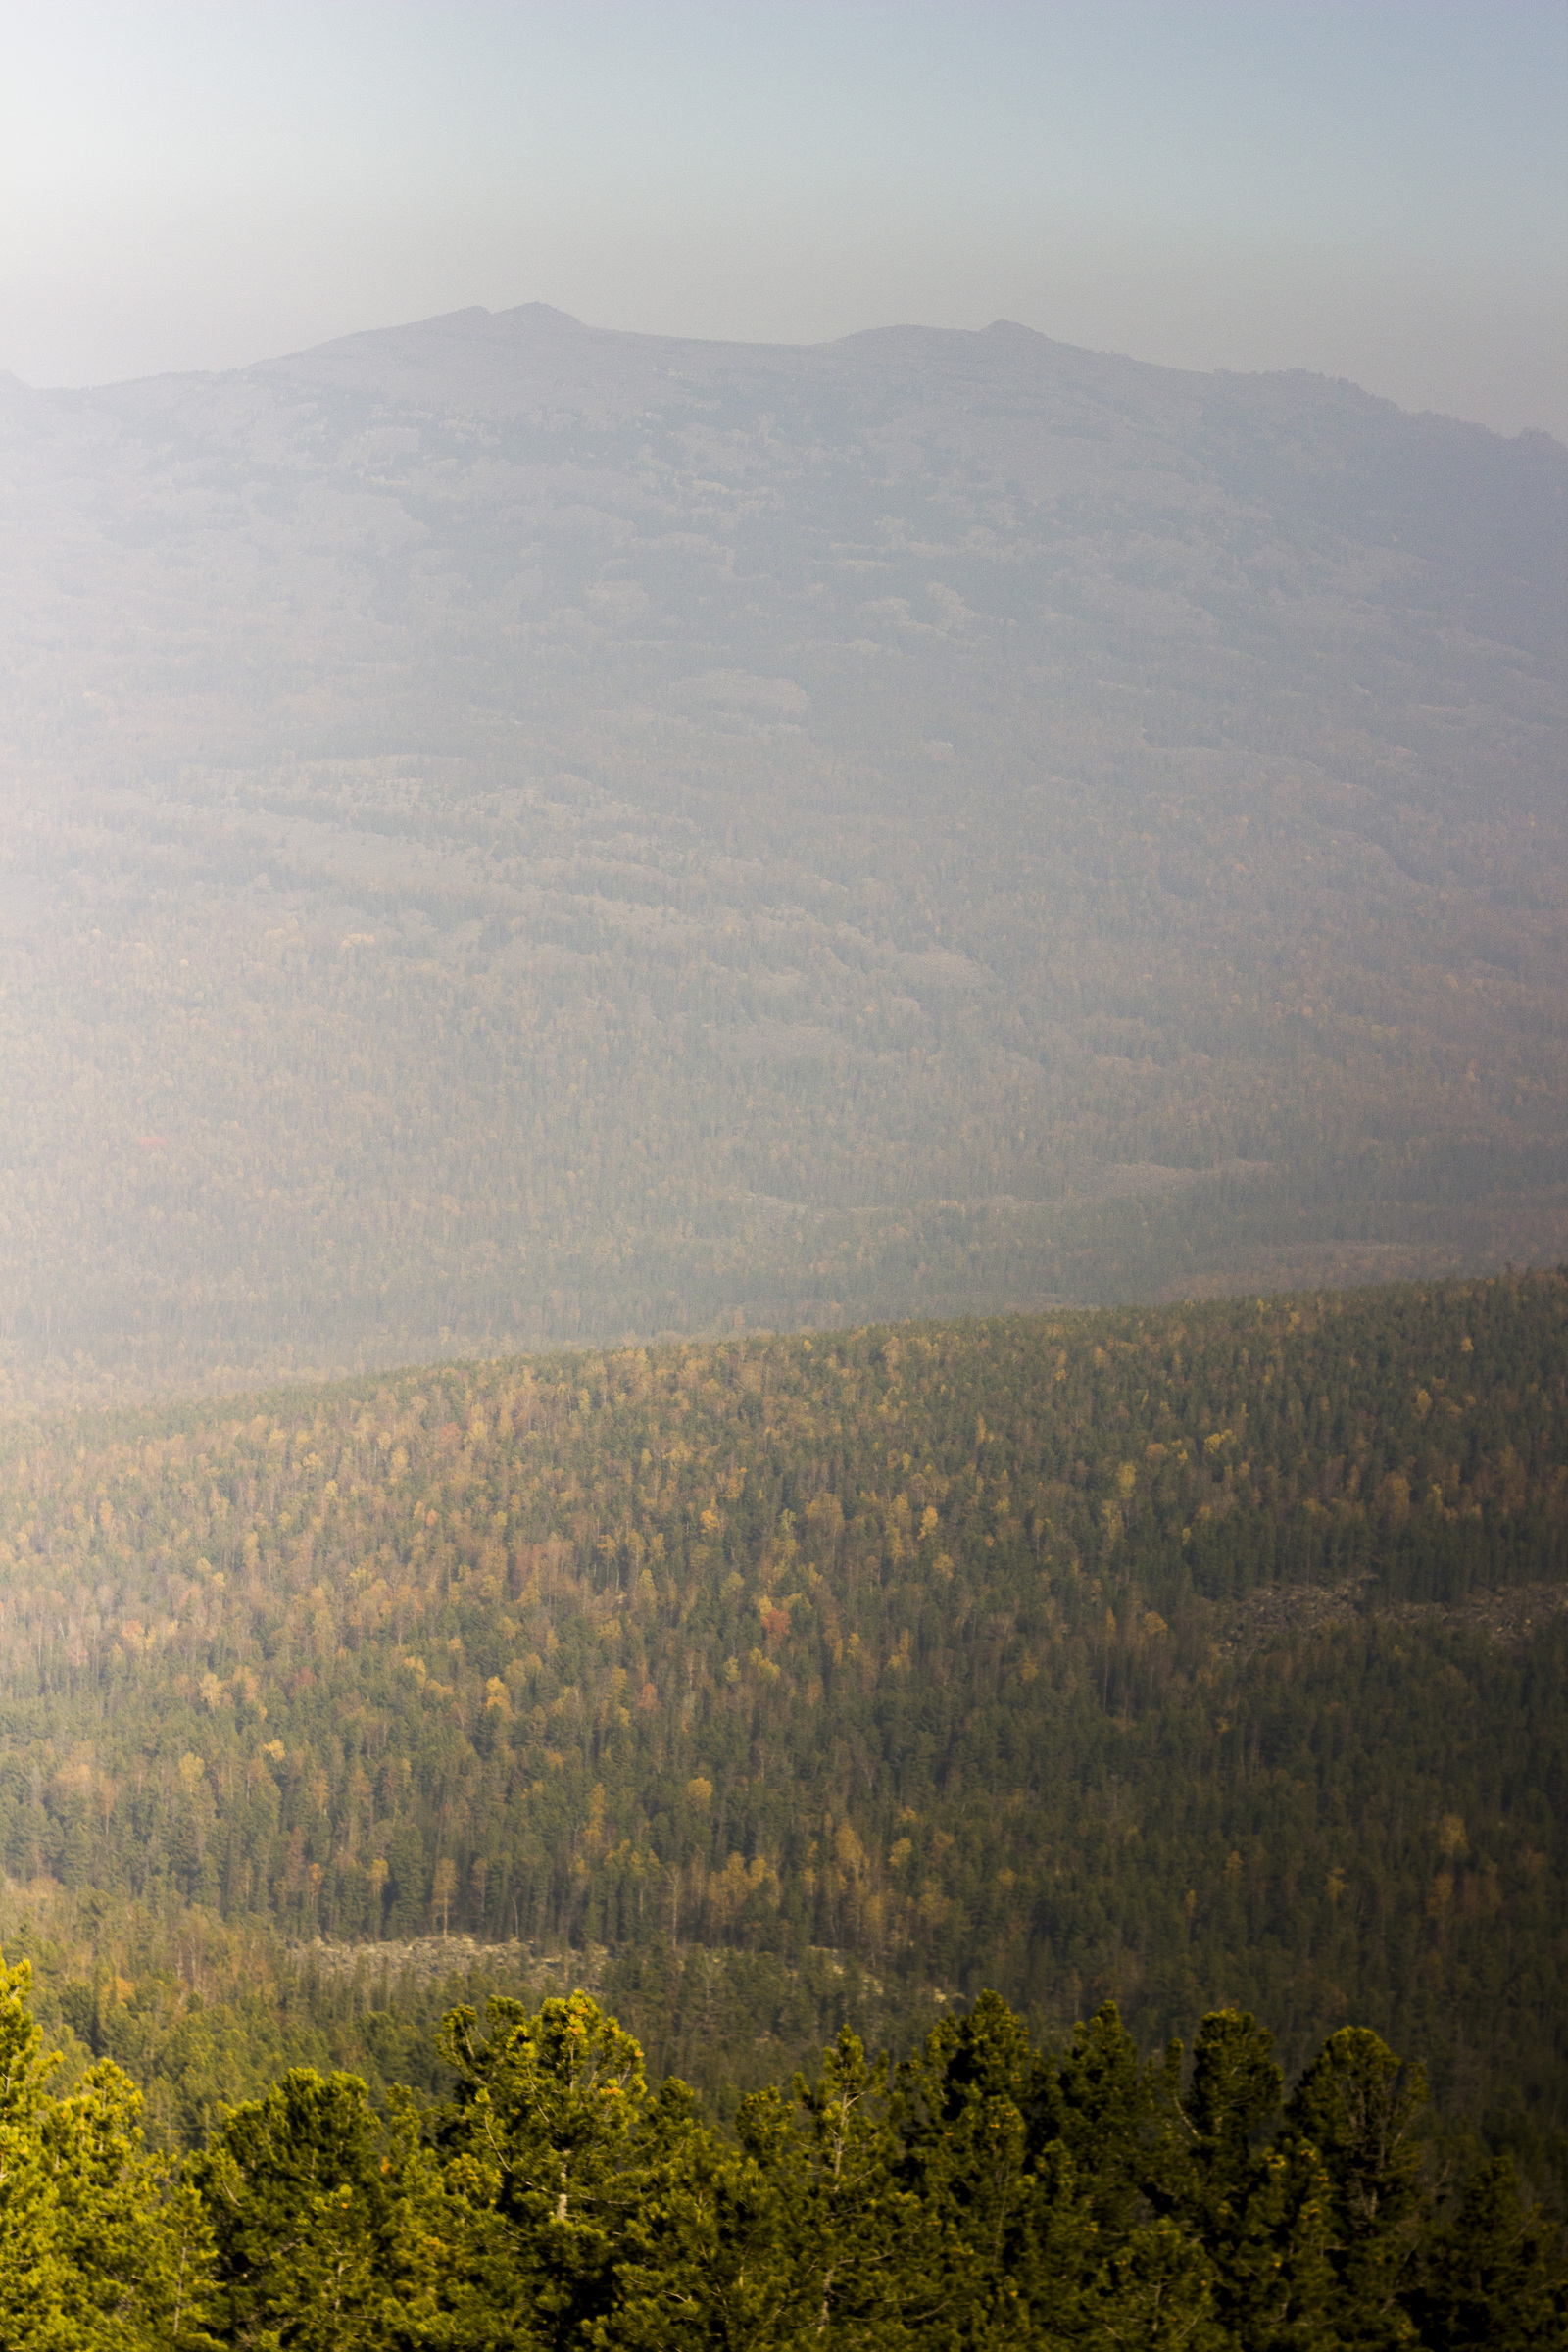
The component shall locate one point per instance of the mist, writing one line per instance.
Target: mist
(1370, 193)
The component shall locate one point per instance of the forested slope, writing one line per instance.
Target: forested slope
(1203, 1653)
(517, 836)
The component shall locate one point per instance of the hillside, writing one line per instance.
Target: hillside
(524, 835)
(1179, 1656)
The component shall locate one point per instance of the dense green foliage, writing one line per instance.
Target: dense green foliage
(1027, 1652)
(980, 2193)
(202, 2012)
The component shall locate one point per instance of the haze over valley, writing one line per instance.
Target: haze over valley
(520, 833)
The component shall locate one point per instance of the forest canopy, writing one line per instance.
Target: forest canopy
(1176, 1657)
(979, 2193)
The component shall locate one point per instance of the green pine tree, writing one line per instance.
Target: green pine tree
(1488, 2280)
(1357, 2107)
(312, 2215)
(1260, 2213)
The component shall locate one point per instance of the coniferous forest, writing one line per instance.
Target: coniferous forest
(980, 2193)
(1011, 1697)
(784, 1189)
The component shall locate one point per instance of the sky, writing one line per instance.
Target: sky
(1367, 190)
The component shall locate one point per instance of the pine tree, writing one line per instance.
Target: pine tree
(104, 2251)
(546, 2143)
(1260, 2213)
(32, 2280)
(307, 2209)
(1356, 2107)
(1488, 2282)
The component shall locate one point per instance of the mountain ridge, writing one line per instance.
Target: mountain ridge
(550, 315)
(482, 708)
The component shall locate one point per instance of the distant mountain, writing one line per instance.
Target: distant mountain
(516, 832)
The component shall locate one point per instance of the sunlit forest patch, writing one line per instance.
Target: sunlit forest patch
(1172, 1655)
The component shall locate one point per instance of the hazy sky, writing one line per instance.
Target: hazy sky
(1373, 191)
